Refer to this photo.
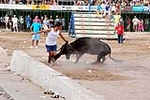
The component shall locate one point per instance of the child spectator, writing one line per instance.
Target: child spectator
(120, 32)
(141, 26)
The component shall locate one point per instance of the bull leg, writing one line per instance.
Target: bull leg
(78, 56)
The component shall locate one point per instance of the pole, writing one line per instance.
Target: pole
(89, 6)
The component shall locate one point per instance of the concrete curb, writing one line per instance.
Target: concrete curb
(49, 79)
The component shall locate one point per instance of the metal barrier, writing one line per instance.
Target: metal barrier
(61, 14)
(145, 16)
(67, 13)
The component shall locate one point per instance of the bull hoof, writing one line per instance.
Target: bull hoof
(102, 60)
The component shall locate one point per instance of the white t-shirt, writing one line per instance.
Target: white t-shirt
(51, 38)
(15, 20)
(135, 21)
(6, 18)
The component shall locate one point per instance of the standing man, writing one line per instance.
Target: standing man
(135, 21)
(46, 25)
(51, 20)
(129, 22)
(117, 18)
(120, 32)
(28, 23)
(99, 10)
(36, 27)
(21, 23)
(15, 23)
(56, 20)
(6, 21)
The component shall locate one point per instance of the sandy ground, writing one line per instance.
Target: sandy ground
(126, 80)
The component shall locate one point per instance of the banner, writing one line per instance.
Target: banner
(127, 8)
(141, 9)
(40, 7)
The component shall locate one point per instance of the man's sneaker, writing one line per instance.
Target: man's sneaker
(8, 68)
(50, 64)
(36, 47)
(31, 47)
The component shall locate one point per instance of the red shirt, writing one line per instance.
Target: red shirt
(120, 30)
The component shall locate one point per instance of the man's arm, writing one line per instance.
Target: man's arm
(48, 30)
(62, 37)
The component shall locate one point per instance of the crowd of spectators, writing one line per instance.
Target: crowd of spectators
(29, 2)
(23, 23)
(121, 3)
(105, 8)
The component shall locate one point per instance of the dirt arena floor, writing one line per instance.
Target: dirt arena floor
(126, 80)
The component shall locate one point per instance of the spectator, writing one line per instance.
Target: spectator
(21, 23)
(132, 3)
(2, 22)
(15, 23)
(120, 32)
(146, 24)
(50, 2)
(103, 5)
(41, 20)
(118, 7)
(46, 25)
(117, 18)
(6, 21)
(63, 23)
(135, 22)
(36, 19)
(107, 9)
(99, 8)
(35, 36)
(149, 26)
(56, 20)
(128, 20)
(29, 2)
(10, 24)
(113, 8)
(141, 25)
(80, 3)
(51, 21)
(28, 23)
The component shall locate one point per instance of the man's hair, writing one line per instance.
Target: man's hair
(58, 24)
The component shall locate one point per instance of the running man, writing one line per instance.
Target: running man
(51, 40)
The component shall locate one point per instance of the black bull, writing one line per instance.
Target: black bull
(85, 45)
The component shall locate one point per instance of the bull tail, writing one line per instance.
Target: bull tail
(109, 50)
(111, 57)
(116, 60)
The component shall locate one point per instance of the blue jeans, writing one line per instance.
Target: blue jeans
(120, 39)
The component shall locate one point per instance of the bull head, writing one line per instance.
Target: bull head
(69, 50)
(66, 50)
